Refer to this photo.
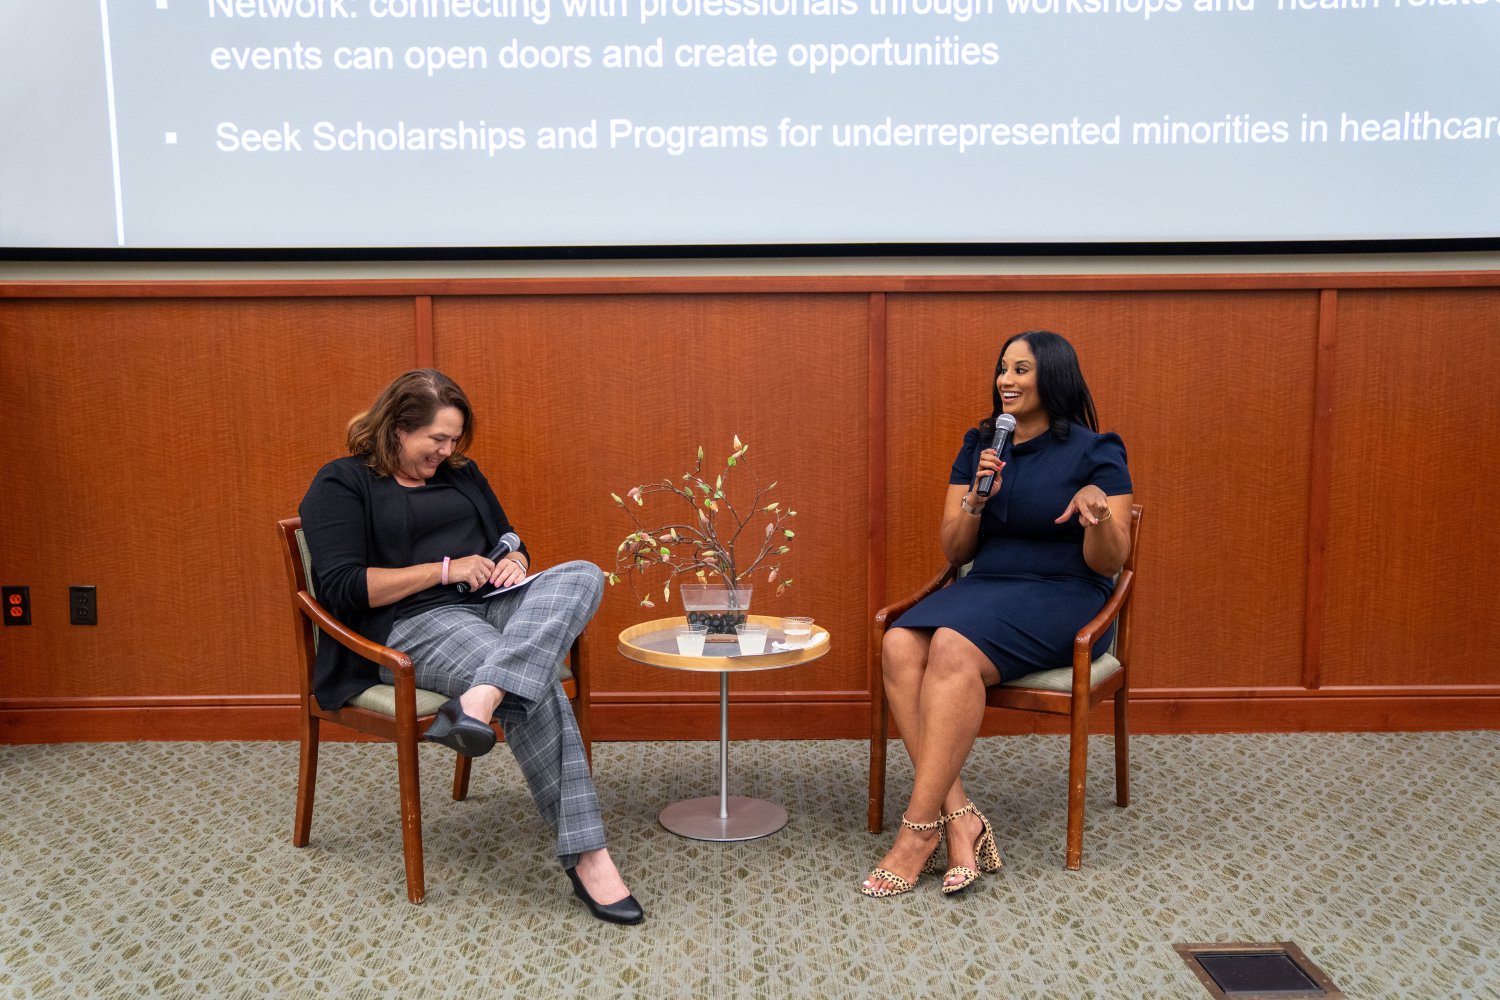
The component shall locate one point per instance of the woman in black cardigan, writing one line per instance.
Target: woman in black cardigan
(393, 530)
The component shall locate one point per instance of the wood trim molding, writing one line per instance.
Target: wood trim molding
(747, 285)
(423, 332)
(1320, 474)
(875, 471)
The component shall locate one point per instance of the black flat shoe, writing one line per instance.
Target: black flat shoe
(457, 731)
(624, 911)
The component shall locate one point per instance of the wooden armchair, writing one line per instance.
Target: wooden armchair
(1071, 691)
(399, 713)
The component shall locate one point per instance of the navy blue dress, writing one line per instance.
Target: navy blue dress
(1029, 591)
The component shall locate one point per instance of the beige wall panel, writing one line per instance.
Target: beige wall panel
(577, 398)
(157, 443)
(1414, 506)
(1212, 393)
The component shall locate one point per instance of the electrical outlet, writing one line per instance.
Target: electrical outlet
(17, 605)
(81, 607)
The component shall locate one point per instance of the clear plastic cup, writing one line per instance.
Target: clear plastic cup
(752, 638)
(798, 631)
(690, 639)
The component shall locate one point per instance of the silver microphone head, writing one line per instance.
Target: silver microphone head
(1007, 421)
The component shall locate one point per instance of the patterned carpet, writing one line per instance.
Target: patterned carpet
(166, 870)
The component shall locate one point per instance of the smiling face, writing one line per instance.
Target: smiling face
(1017, 383)
(426, 448)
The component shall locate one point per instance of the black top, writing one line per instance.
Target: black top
(443, 524)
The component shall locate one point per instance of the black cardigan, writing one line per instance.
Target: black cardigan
(354, 519)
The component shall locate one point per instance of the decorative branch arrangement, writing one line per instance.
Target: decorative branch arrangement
(706, 541)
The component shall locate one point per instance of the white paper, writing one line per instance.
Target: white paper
(515, 586)
(781, 647)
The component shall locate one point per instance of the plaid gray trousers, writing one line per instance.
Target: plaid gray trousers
(516, 641)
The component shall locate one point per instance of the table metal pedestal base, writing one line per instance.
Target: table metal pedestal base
(723, 818)
(748, 819)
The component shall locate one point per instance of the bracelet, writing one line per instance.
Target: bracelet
(446, 560)
(963, 502)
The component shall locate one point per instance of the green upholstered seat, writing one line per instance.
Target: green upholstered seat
(1061, 679)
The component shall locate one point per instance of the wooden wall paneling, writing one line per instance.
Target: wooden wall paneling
(160, 441)
(1212, 394)
(164, 425)
(577, 398)
(1413, 538)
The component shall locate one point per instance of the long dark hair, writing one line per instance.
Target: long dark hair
(409, 403)
(1059, 384)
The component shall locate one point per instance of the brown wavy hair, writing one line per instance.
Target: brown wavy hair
(408, 404)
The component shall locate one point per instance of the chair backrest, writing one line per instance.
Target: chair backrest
(299, 578)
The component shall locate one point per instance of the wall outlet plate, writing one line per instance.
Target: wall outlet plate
(82, 608)
(15, 605)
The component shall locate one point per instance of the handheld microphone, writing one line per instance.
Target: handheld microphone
(508, 542)
(1005, 425)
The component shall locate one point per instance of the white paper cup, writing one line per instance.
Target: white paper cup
(690, 639)
(752, 638)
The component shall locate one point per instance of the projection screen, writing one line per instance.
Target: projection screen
(346, 124)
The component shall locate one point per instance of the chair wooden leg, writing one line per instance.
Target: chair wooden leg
(307, 780)
(461, 777)
(411, 818)
(1078, 764)
(878, 731)
(1122, 748)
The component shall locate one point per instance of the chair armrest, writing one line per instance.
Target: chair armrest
(885, 614)
(398, 662)
(1084, 640)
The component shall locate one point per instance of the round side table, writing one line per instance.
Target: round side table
(720, 818)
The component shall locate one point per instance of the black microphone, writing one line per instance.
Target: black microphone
(508, 543)
(1005, 426)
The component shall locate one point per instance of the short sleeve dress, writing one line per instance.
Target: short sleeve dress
(1029, 591)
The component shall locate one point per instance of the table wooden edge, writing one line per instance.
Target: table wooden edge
(717, 664)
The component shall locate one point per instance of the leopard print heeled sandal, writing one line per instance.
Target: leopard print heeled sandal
(897, 883)
(986, 852)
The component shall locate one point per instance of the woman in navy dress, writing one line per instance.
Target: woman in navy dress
(1045, 544)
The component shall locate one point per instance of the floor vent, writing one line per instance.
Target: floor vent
(1241, 970)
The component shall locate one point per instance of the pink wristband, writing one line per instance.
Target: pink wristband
(445, 570)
